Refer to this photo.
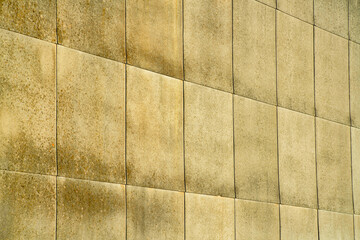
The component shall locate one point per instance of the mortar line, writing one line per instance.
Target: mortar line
(233, 107)
(125, 125)
(56, 130)
(183, 88)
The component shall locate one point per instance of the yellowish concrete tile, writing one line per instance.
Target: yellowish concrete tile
(332, 15)
(354, 20)
(297, 166)
(32, 17)
(90, 210)
(355, 146)
(357, 227)
(27, 104)
(295, 64)
(154, 36)
(333, 166)
(208, 43)
(331, 77)
(257, 221)
(208, 217)
(27, 206)
(254, 51)
(298, 223)
(96, 27)
(302, 9)
(208, 141)
(355, 84)
(154, 214)
(91, 125)
(256, 164)
(154, 130)
(335, 226)
(271, 3)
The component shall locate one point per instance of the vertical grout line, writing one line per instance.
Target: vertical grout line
(125, 122)
(233, 107)
(125, 42)
(126, 232)
(183, 68)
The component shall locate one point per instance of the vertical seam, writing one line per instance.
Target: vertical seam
(183, 94)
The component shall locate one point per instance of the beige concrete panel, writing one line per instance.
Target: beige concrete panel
(333, 166)
(154, 214)
(209, 166)
(271, 3)
(90, 210)
(298, 223)
(331, 77)
(334, 225)
(32, 17)
(27, 104)
(295, 64)
(27, 206)
(208, 217)
(355, 146)
(154, 130)
(297, 166)
(256, 164)
(90, 117)
(96, 27)
(257, 221)
(355, 84)
(354, 20)
(302, 9)
(154, 36)
(208, 43)
(357, 227)
(254, 51)
(332, 15)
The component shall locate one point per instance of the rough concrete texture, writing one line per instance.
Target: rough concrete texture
(90, 210)
(256, 164)
(154, 130)
(208, 43)
(91, 116)
(254, 51)
(332, 15)
(298, 223)
(295, 64)
(331, 77)
(297, 166)
(209, 165)
(27, 104)
(160, 25)
(154, 214)
(96, 27)
(302, 9)
(334, 225)
(27, 206)
(208, 217)
(333, 166)
(355, 83)
(257, 220)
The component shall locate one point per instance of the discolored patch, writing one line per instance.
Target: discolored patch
(27, 104)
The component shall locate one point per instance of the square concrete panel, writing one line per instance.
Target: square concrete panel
(357, 226)
(209, 217)
(355, 146)
(354, 20)
(331, 77)
(90, 117)
(96, 27)
(32, 17)
(334, 225)
(256, 164)
(254, 51)
(355, 83)
(295, 64)
(208, 43)
(297, 166)
(154, 38)
(27, 206)
(302, 9)
(27, 104)
(332, 15)
(257, 220)
(298, 223)
(209, 165)
(333, 166)
(154, 214)
(90, 210)
(154, 130)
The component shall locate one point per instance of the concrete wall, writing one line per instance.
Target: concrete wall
(170, 119)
